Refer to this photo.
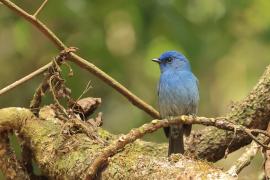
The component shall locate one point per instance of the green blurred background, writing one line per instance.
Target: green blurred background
(227, 43)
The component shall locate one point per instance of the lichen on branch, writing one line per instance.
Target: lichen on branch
(68, 156)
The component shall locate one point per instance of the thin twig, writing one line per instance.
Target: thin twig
(136, 101)
(25, 79)
(40, 8)
(227, 149)
(86, 89)
(137, 133)
(43, 87)
(245, 159)
(250, 152)
(259, 131)
(55, 97)
(248, 132)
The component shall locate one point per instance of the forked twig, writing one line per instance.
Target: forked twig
(40, 8)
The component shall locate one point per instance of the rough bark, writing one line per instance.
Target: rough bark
(67, 156)
(9, 164)
(253, 112)
(62, 155)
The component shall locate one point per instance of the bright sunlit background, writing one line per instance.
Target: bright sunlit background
(227, 43)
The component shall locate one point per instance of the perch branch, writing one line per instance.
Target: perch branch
(134, 134)
(82, 62)
(62, 156)
(253, 111)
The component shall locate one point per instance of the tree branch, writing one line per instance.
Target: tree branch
(38, 24)
(210, 143)
(63, 156)
(25, 79)
(122, 141)
(135, 100)
(245, 159)
(253, 112)
(250, 152)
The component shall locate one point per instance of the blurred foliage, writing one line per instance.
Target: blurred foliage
(227, 43)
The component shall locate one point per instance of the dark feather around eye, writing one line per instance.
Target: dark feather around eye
(169, 59)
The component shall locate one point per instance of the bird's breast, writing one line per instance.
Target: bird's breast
(177, 94)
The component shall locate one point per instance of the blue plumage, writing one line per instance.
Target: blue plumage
(177, 95)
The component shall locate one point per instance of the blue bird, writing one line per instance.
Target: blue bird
(178, 94)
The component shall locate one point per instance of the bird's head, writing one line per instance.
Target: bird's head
(172, 60)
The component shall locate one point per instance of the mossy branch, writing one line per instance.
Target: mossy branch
(46, 135)
(68, 156)
(136, 133)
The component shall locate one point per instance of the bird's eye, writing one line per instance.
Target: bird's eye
(169, 60)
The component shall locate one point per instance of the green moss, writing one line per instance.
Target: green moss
(103, 134)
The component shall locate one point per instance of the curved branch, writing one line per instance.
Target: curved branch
(63, 156)
(134, 134)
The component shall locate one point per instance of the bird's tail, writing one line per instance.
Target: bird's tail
(176, 143)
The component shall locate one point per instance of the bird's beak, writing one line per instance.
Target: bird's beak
(156, 60)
